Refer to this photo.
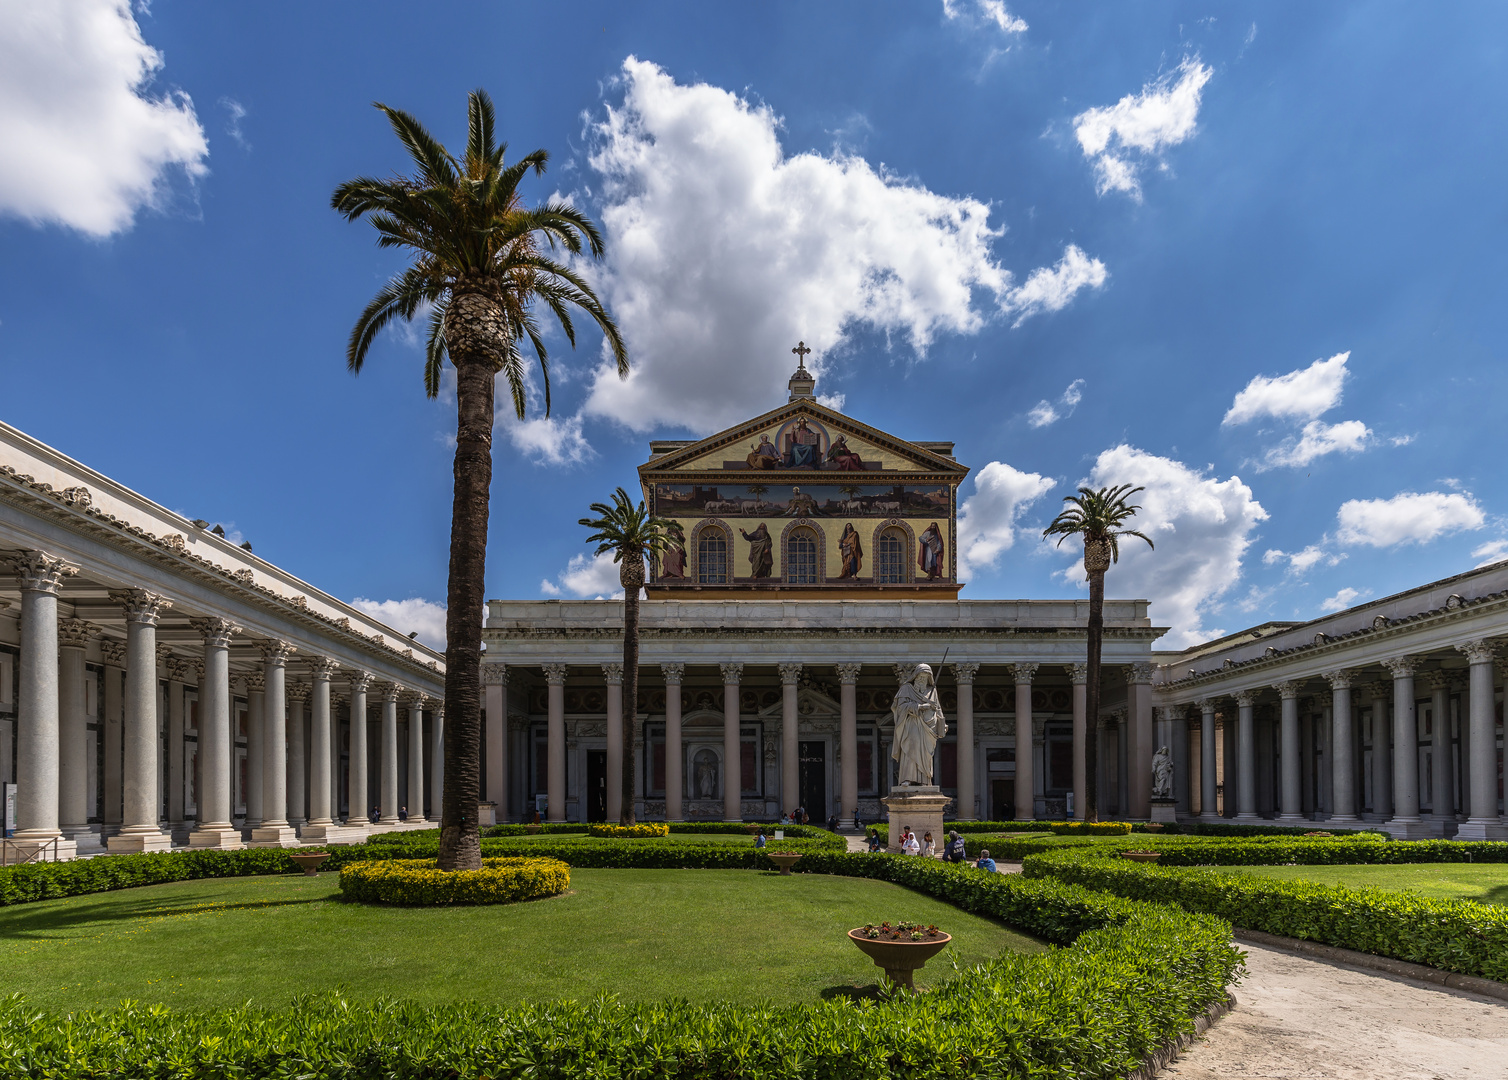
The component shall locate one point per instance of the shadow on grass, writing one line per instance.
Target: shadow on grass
(36, 924)
(1498, 894)
(854, 994)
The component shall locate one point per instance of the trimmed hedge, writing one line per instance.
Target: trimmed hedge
(1129, 977)
(628, 832)
(1453, 935)
(420, 883)
(1091, 828)
(520, 830)
(1209, 828)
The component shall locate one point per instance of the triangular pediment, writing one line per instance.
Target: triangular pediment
(810, 702)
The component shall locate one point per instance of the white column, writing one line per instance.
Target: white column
(387, 751)
(495, 688)
(40, 577)
(358, 791)
(1139, 748)
(140, 830)
(256, 745)
(612, 677)
(1025, 796)
(416, 759)
(321, 817)
(73, 735)
(1406, 822)
(297, 761)
(114, 653)
(1178, 747)
(437, 762)
(968, 802)
(555, 764)
(1246, 757)
(790, 737)
(674, 788)
(1382, 752)
(848, 743)
(1342, 760)
(215, 829)
(1291, 809)
(177, 784)
(1443, 808)
(732, 745)
(274, 831)
(1209, 809)
(1482, 755)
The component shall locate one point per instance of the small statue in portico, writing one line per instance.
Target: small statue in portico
(919, 724)
(1162, 774)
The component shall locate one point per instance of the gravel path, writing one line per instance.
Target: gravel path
(1297, 1017)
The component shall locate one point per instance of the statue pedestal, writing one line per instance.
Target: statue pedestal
(1164, 810)
(918, 808)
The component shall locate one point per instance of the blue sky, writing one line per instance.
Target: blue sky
(1250, 256)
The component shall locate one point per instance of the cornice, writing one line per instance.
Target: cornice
(539, 633)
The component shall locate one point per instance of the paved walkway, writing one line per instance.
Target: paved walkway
(1298, 1017)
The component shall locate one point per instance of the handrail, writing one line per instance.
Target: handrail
(21, 849)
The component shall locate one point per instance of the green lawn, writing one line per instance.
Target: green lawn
(1486, 883)
(642, 934)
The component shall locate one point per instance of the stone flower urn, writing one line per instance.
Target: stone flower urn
(1142, 856)
(783, 859)
(899, 958)
(309, 861)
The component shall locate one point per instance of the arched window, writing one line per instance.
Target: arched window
(801, 558)
(890, 562)
(712, 557)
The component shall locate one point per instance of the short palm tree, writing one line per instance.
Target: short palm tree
(482, 269)
(1096, 517)
(632, 534)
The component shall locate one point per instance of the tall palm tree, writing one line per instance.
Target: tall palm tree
(632, 534)
(1097, 517)
(481, 267)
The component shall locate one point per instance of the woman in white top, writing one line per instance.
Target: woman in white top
(910, 845)
(927, 849)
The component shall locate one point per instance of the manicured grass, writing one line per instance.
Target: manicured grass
(1486, 883)
(641, 934)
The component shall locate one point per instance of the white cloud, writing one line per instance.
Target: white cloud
(1202, 527)
(406, 616)
(1303, 394)
(587, 577)
(1343, 599)
(1300, 562)
(987, 519)
(235, 112)
(1318, 439)
(1494, 551)
(86, 142)
(1046, 412)
(1408, 517)
(1120, 138)
(992, 11)
(723, 250)
(546, 440)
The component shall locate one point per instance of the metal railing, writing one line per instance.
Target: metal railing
(14, 853)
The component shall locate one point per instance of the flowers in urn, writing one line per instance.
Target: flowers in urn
(902, 931)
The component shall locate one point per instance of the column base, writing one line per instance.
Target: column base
(1247, 819)
(1482, 829)
(1164, 811)
(319, 835)
(281, 836)
(1412, 829)
(389, 820)
(1343, 819)
(222, 837)
(1291, 819)
(134, 842)
(22, 848)
(86, 839)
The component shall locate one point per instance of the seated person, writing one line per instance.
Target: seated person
(955, 852)
(846, 460)
(759, 840)
(985, 862)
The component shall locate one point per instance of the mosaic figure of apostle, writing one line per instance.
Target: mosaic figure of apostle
(761, 551)
(929, 553)
(919, 724)
(852, 551)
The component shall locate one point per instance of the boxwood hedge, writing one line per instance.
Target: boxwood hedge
(419, 883)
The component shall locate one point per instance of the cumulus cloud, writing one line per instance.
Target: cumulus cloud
(1301, 562)
(1202, 527)
(1119, 139)
(406, 616)
(1047, 412)
(1303, 394)
(987, 520)
(1494, 551)
(546, 440)
(1315, 441)
(1407, 518)
(87, 142)
(1342, 600)
(724, 250)
(993, 12)
(592, 577)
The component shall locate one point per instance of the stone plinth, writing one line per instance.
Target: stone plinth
(319, 835)
(135, 841)
(223, 838)
(486, 814)
(1165, 811)
(273, 836)
(918, 808)
(1480, 830)
(27, 849)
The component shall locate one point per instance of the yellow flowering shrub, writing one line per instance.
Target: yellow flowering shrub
(629, 832)
(420, 882)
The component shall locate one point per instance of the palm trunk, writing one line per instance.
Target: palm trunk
(1096, 633)
(460, 837)
(632, 582)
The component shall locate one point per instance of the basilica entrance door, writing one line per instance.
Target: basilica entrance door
(596, 785)
(814, 781)
(1002, 799)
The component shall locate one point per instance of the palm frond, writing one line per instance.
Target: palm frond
(435, 163)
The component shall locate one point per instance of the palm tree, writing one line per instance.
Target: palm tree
(1097, 517)
(632, 534)
(481, 268)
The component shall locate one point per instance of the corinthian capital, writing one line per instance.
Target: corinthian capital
(297, 691)
(321, 668)
(1139, 673)
(964, 672)
(141, 606)
(494, 674)
(215, 632)
(1245, 698)
(790, 673)
(113, 651)
(1340, 680)
(1478, 652)
(1402, 667)
(276, 652)
(361, 681)
(1290, 689)
(1024, 673)
(555, 674)
(75, 633)
(41, 572)
(612, 674)
(848, 674)
(674, 673)
(256, 682)
(1078, 674)
(732, 672)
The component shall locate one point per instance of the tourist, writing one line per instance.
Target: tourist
(911, 846)
(832, 823)
(858, 821)
(376, 814)
(402, 813)
(874, 840)
(759, 840)
(806, 819)
(955, 851)
(927, 849)
(985, 862)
